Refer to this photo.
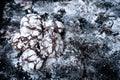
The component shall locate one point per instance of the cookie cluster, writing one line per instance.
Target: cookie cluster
(37, 40)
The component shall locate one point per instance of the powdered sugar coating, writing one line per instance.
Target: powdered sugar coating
(31, 21)
(56, 26)
(30, 61)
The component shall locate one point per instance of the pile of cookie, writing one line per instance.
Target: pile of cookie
(37, 40)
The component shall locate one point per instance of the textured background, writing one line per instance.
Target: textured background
(92, 48)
